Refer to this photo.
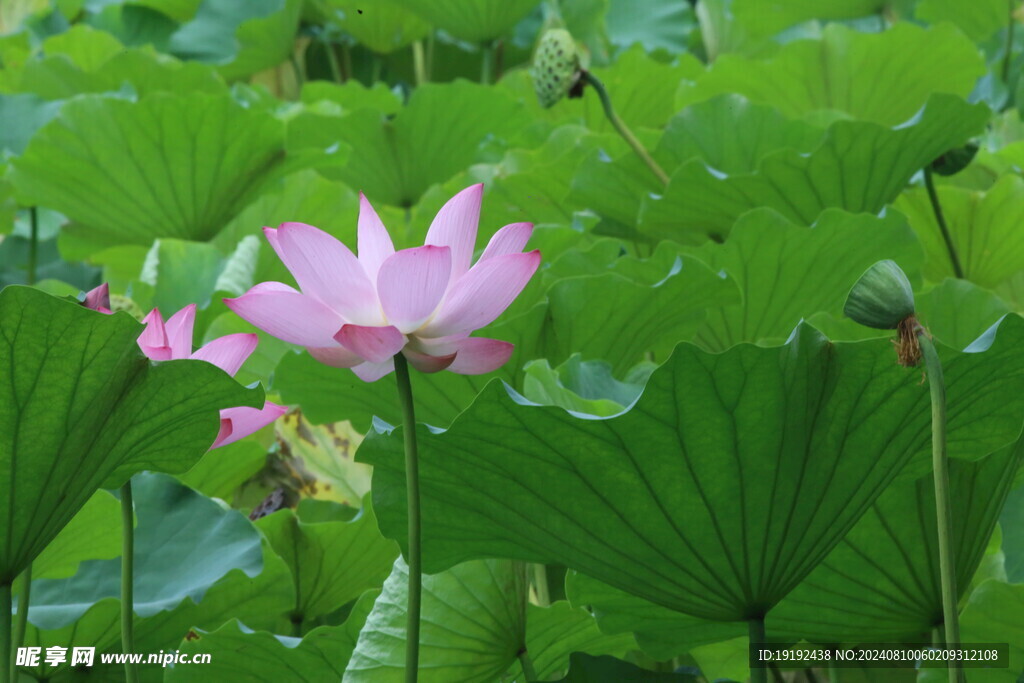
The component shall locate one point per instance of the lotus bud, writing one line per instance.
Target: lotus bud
(556, 67)
(955, 160)
(883, 299)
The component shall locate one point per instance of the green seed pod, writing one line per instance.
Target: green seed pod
(881, 298)
(556, 66)
(955, 160)
(123, 303)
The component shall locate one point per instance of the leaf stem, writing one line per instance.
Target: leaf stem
(412, 484)
(6, 660)
(758, 674)
(21, 623)
(332, 60)
(943, 506)
(529, 672)
(33, 245)
(929, 184)
(486, 63)
(621, 127)
(540, 584)
(419, 62)
(1008, 57)
(127, 580)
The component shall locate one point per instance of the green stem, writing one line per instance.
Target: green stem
(6, 661)
(419, 62)
(332, 60)
(1008, 57)
(412, 483)
(929, 183)
(623, 130)
(486, 63)
(346, 61)
(127, 580)
(529, 672)
(21, 623)
(776, 674)
(378, 66)
(758, 674)
(33, 245)
(430, 56)
(833, 673)
(943, 505)
(540, 584)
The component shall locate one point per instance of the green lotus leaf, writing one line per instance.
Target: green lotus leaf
(881, 583)
(655, 24)
(859, 166)
(322, 558)
(382, 26)
(983, 227)
(473, 624)
(661, 501)
(473, 20)
(92, 534)
(873, 77)
(23, 114)
(979, 21)
(1012, 523)
(604, 669)
(958, 311)
(127, 172)
(95, 415)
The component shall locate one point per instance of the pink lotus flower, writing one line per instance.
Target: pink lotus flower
(358, 312)
(173, 340)
(98, 299)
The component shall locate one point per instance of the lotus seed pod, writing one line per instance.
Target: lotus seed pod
(556, 66)
(881, 298)
(123, 303)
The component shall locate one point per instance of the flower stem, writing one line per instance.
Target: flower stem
(412, 484)
(529, 672)
(487, 63)
(758, 674)
(1008, 57)
(540, 584)
(6, 661)
(623, 130)
(131, 674)
(21, 623)
(419, 62)
(332, 61)
(33, 245)
(929, 183)
(943, 506)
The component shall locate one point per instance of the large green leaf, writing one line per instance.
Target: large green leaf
(720, 490)
(984, 227)
(473, 20)
(859, 166)
(788, 272)
(992, 615)
(604, 669)
(170, 566)
(23, 114)
(383, 25)
(1012, 523)
(654, 24)
(92, 534)
(473, 624)
(332, 562)
(82, 408)
(882, 582)
(875, 77)
(979, 20)
(958, 311)
(127, 172)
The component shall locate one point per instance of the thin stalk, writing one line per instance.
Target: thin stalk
(412, 484)
(540, 585)
(430, 56)
(929, 183)
(623, 130)
(127, 580)
(33, 245)
(419, 62)
(21, 623)
(758, 674)
(943, 505)
(776, 674)
(332, 60)
(499, 60)
(833, 673)
(810, 675)
(6, 660)
(346, 61)
(375, 72)
(1008, 57)
(529, 672)
(486, 63)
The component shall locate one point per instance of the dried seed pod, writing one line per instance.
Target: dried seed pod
(882, 298)
(556, 66)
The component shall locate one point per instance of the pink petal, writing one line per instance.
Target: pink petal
(455, 227)
(179, 332)
(509, 240)
(228, 352)
(482, 294)
(326, 269)
(411, 284)
(371, 372)
(238, 423)
(375, 344)
(374, 242)
(479, 355)
(335, 356)
(425, 362)
(153, 340)
(288, 315)
(98, 299)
